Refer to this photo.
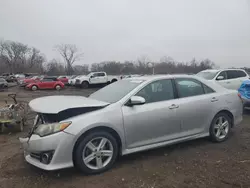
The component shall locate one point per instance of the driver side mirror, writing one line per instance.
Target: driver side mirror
(136, 100)
(220, 78)
(92, 76)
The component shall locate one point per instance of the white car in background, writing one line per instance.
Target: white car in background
(72, 80)
(228, 78)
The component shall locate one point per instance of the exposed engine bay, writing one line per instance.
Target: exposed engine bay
(65, 114)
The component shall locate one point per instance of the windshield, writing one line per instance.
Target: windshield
(207, 75)
(116, 91)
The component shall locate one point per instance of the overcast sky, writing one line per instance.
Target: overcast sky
(128, 29)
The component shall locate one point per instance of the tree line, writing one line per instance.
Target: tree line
(16, 57)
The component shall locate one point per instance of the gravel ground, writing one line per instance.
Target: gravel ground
(198, 163)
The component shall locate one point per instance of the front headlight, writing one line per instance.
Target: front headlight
(48, 129)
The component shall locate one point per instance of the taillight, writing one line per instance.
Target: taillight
(239, 95)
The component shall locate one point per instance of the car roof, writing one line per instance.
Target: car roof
(164, 76)
(217, 70)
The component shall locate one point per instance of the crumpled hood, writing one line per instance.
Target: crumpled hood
(56, 104)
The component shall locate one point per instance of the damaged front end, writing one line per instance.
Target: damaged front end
(42, 147)
(49, 119)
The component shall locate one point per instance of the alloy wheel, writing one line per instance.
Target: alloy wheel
(221, 127)
(98, 153)
(58, 87)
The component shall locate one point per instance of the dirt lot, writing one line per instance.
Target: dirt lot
(198, 163)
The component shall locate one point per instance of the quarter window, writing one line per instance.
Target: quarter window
(241, 74)
(160, 90)
(207, 89)
(189, 87)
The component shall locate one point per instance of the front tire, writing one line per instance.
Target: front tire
(58, 87)
(220, 127)
(85, 85)
(96, 152)
(34, 88)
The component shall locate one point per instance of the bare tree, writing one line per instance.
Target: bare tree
(13, 53)
(70, 54)
(35, 60)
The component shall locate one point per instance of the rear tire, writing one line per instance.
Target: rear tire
(58, 87)
(220, 127)
(34, 88)
(85, 85)
(82, 151)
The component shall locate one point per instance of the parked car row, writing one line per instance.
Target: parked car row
(130, 115)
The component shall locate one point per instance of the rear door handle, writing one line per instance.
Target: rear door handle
(173, 106)
(214, 99)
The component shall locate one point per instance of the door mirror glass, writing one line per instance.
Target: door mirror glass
(136, 100)
(220, 78)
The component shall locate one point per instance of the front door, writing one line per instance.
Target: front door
(156, 120)
(94, 78)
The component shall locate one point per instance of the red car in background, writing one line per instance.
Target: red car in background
(63, 79)
(46, 83)
(28, 80)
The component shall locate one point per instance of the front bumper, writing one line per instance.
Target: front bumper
(61, 144)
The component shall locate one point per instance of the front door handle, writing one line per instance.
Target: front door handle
(173, 106)
(214, 99)
(228, 82)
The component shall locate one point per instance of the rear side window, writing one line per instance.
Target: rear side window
(231, 74)
(241, 74)
(100, 74)
(188, 87)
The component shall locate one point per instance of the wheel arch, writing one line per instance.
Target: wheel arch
(99, 128)
(228, 113)
(34, 85)
(114, 80)
(85, 81)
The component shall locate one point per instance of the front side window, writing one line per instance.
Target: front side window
(48, 80)
(222, 76)
(189, 87)
(160, 90)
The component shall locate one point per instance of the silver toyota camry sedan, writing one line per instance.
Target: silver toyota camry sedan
(128, 116)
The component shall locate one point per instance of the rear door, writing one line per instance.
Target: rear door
(196, 106)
